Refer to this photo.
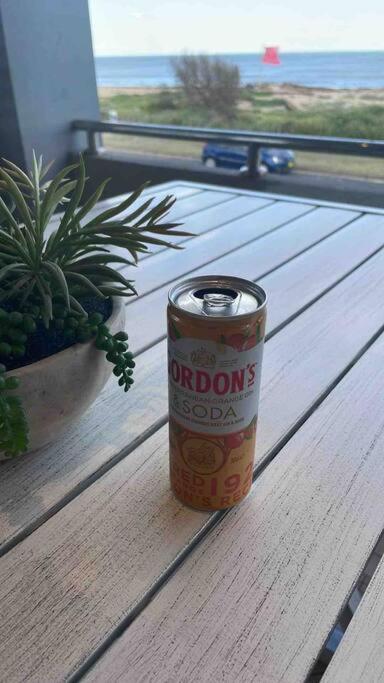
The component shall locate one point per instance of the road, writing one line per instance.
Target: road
(127, 170)
(327, 187)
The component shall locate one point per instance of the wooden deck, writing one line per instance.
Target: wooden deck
(105, 576)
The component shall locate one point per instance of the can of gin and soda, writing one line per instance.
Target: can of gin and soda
(216, 328)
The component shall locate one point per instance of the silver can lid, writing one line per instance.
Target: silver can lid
(218, 296)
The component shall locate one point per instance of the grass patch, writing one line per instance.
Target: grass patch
(271, 102)
(357, 167)
(171, 107)
(153, 146)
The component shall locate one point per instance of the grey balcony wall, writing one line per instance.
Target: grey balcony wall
(47, 77)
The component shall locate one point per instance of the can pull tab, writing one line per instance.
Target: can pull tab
(215, 301)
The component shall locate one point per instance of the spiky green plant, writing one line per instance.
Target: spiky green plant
(46, 271)
(77, 255)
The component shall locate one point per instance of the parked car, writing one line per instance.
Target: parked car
(231, 156)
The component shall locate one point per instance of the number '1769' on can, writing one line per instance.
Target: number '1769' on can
(216, 328)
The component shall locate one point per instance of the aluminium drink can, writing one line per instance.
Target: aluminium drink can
(216, 327)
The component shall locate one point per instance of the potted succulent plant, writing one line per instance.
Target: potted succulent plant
(61, 297)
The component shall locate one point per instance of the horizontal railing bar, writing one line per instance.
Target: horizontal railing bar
(337, 145)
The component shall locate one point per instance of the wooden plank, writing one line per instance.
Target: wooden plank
(232, 232)
(316, 340)
(185, 206)
(256, 599)
(65, 587)
(179, 189)
(198, 202)
(189, 206)
(359, 657)
(171, 187)
(289, 198)
(250, 261)
(30, 487)
(307, 276)
(159, 191)
(334, 256)
(210, 218)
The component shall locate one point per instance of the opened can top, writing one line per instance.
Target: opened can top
(218, 296)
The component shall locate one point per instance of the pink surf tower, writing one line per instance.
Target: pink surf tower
(271, 56)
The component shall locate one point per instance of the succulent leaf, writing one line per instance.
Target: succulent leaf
(78, 255)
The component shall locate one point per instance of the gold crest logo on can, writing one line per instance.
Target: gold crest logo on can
(216, 328)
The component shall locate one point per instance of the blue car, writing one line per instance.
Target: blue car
(230, 156)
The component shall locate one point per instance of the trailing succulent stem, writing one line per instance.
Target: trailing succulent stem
(116, 347)
(48, 269)
(13, 425)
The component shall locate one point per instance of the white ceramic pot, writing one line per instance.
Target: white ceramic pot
(57, 390)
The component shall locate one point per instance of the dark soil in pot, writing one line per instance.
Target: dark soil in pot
(46, 342)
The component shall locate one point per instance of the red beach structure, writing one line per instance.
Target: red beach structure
(271, 56)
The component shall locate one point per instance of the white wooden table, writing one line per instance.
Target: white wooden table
(105, 576)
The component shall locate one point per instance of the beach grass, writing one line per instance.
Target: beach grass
(258, 109)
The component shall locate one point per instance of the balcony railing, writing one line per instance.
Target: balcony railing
(254, 140)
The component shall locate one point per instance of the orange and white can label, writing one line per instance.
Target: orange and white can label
(214, 382)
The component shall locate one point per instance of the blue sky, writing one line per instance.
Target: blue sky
(171, 26)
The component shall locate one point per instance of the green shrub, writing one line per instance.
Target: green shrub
(209, 82)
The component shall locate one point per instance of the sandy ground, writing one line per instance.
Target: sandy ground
(110, 92)
(297, 96)
(302, 97)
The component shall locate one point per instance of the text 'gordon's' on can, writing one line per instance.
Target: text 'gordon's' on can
(216, 329)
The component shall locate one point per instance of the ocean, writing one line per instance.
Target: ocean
(313, 69)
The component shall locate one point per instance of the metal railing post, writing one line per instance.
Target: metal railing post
(253, 160)
(92, 144)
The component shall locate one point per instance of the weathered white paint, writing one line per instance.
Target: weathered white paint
(312, 515)
(79, 574)
(250, 261)
(258, 597)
